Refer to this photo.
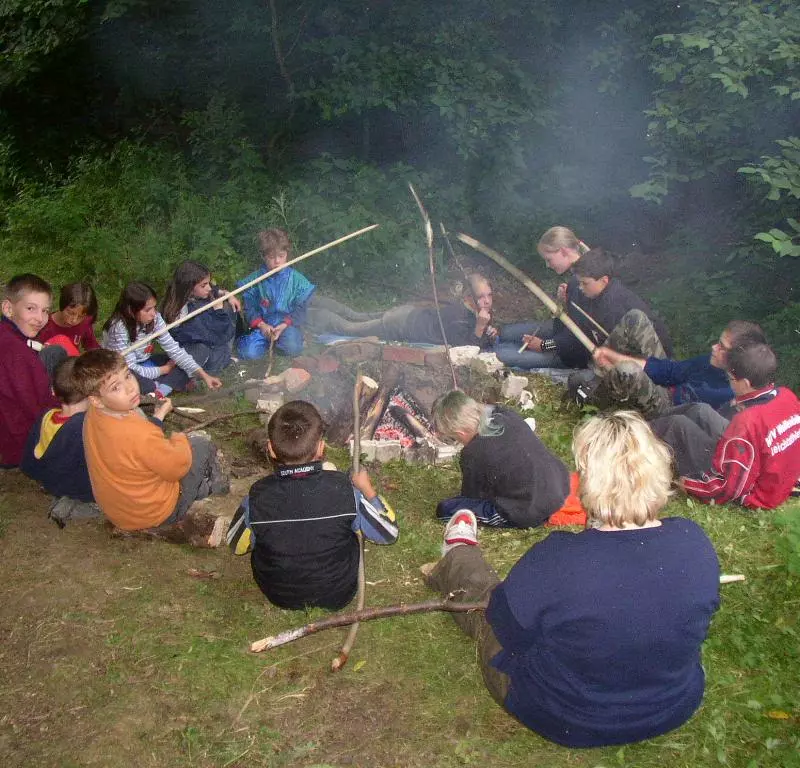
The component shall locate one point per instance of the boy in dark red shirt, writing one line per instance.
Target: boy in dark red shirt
(24, 383)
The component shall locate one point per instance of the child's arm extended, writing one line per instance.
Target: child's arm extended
(373, 519)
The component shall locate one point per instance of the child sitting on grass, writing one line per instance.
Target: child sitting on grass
(54, 454)
(77, 313)
(24, 381)
(141, 478)
(753, 459)
(275, 308)
(305, 517)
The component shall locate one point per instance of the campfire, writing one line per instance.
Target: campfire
(399, 387)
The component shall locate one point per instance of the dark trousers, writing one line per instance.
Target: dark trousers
(692, 431)
(197, 483)
(464, 568)
(176, 379)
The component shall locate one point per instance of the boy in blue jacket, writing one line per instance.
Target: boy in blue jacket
(701, 379)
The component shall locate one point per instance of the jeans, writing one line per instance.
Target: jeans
(510, 340)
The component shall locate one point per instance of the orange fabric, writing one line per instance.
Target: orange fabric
(571, 512)
(134, 468)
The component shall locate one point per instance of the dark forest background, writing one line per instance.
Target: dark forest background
(137, 133)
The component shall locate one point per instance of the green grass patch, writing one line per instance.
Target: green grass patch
(113, 655)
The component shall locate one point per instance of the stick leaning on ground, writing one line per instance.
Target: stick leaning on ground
(176, 323)
(350, 640)
(342, 620)
(556, 311)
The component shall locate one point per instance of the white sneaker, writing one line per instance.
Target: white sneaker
(462, 529)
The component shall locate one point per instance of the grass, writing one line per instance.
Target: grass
(112, 655)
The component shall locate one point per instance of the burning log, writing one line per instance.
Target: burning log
(375, 412)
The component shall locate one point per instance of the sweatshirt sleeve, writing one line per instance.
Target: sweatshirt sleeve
(168, 457)
(667, 373)
(116, 338)
(175, 351)
(734, 469)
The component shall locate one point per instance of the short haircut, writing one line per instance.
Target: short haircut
(93, 367)
(294, 432)
(271, 240)
(19, 285)
(743, 332)
(560, 237)
(595, 263)
(79, 295)
(625, 470)
(64, 382)
(755, 362)
(456, 411)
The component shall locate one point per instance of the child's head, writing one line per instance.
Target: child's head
(625, 469)
(737, 333)
(275, 247)
(751, 367)
(64, 384)
(480, 292)
(560, 248)
(76, 301)
(26, 303)
(456, 416)
(295, 433)
(103, 376)
(191, 280)
(594, 271)
(136, 306)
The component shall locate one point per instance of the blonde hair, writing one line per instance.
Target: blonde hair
(561, 237)
(625, 470)
(457, 412)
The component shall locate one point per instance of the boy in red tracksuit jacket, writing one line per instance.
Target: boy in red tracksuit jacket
(757, 459)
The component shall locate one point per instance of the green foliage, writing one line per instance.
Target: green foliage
(32, 31)
(726, 79)
(782, 176)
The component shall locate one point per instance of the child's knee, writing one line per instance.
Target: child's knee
(252, 346)
(291, 341)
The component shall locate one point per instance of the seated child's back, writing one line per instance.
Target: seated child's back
(304, 519)
(54, 454)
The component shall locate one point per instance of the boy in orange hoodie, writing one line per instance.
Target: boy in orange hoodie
(142, 479)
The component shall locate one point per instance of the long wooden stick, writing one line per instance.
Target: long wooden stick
(347, 646)
(447, 605)
(532, 287)
(343, 620)
(429, 238)
(175, 323)
(590, 319)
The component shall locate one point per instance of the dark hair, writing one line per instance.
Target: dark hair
(26, 283)
(743, 332)
(132, 299)
(595, 263)
(64, 382)
(270, 240)
(294, 431)
(79, 295)
(755, 362)
(179, 291)
(92, 367)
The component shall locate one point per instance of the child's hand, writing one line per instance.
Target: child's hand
(266, 330)
(534, 343)
(561, 293)
(361, 481)
(236, 305)
(162, 408)
(212, 382)
(278, 330)
(168, 367)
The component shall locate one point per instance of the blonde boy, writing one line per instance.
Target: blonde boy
(141, 478)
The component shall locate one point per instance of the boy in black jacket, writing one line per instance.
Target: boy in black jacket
(304, 518)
